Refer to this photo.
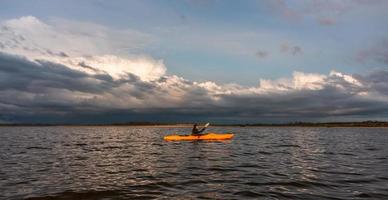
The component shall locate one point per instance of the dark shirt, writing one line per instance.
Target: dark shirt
(195, 130)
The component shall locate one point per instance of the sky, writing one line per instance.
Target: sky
(253, 61)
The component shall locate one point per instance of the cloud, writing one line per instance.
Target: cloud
(82, 46)
(44, 78)
(377, 52)
(261, 54)
(295, 50)
(41, 88)
(326, 21)
(145, 67)
(285, 48)
(30, 36)
(325, 12)
(291, 49)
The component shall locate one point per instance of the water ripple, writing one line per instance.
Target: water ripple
(135, 163)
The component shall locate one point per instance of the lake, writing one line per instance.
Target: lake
(118, 162)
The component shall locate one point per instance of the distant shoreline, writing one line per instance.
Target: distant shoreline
(185, 125)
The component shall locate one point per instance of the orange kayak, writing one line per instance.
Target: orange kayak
(208, 136)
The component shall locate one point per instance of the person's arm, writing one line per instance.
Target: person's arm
(203, 129)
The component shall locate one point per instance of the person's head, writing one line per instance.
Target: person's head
(195, 125)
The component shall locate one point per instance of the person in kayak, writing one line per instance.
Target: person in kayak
(196, 131)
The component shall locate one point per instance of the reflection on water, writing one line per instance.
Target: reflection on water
(130, 162)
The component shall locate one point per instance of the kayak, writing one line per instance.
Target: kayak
(207, 136)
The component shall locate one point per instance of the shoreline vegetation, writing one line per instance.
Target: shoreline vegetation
(171, 125)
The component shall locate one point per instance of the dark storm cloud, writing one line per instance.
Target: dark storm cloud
(21, 74)
(32, 91)
(377, 81)
(50, 88)
(42, 87)
(322, 103)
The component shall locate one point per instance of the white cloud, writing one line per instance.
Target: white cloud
(145, 67)
(299, 81)
(82, 46)
(74, 38)
(347, 78)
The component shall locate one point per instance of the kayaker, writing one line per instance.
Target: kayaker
(195, 130)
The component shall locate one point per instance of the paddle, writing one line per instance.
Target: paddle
(204, 127)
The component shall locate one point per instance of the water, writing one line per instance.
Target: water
(135, 163)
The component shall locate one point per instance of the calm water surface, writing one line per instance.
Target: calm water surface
(135, 163)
